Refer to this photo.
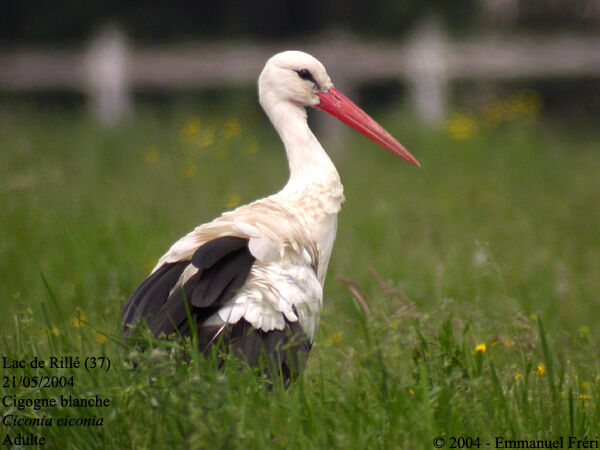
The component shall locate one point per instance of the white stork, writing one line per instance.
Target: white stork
(253, 277)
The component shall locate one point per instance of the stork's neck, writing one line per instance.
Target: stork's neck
(308, 161)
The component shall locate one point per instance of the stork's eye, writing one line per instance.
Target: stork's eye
(305, 75)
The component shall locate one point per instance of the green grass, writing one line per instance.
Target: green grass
(495, 241)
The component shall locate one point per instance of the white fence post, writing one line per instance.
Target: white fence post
(107, 83)
(331, 132)
(428, 77)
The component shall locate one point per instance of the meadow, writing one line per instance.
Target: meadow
(462, 299)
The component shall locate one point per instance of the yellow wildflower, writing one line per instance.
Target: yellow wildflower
(232, 200)
(99, 338)
(461, 126)
(517, 376)
(191, 129)
(206, 138)
(494, 113)
(584, 330)
(411, 392)
(541, 369)
(480, 348)
(152, 155)
(189, 170)
(78, 320)
(231, 128)
(336, 339)
(521, 104)
(584, 397)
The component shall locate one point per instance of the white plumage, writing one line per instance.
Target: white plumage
(292, 251)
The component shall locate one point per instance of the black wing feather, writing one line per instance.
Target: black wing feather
(212, 251)
(129, 309)
(217, 280)
(223, 267)
(152, 294)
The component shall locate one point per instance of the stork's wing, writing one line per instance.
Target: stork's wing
(222, 264)
(221, 267)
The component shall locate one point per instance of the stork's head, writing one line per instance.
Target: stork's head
(298, 78)
(293, 76)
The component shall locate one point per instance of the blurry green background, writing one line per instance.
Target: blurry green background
(499, 227)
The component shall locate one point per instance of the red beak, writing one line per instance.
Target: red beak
(340, 106)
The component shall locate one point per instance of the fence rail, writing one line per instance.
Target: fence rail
(108, 70)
